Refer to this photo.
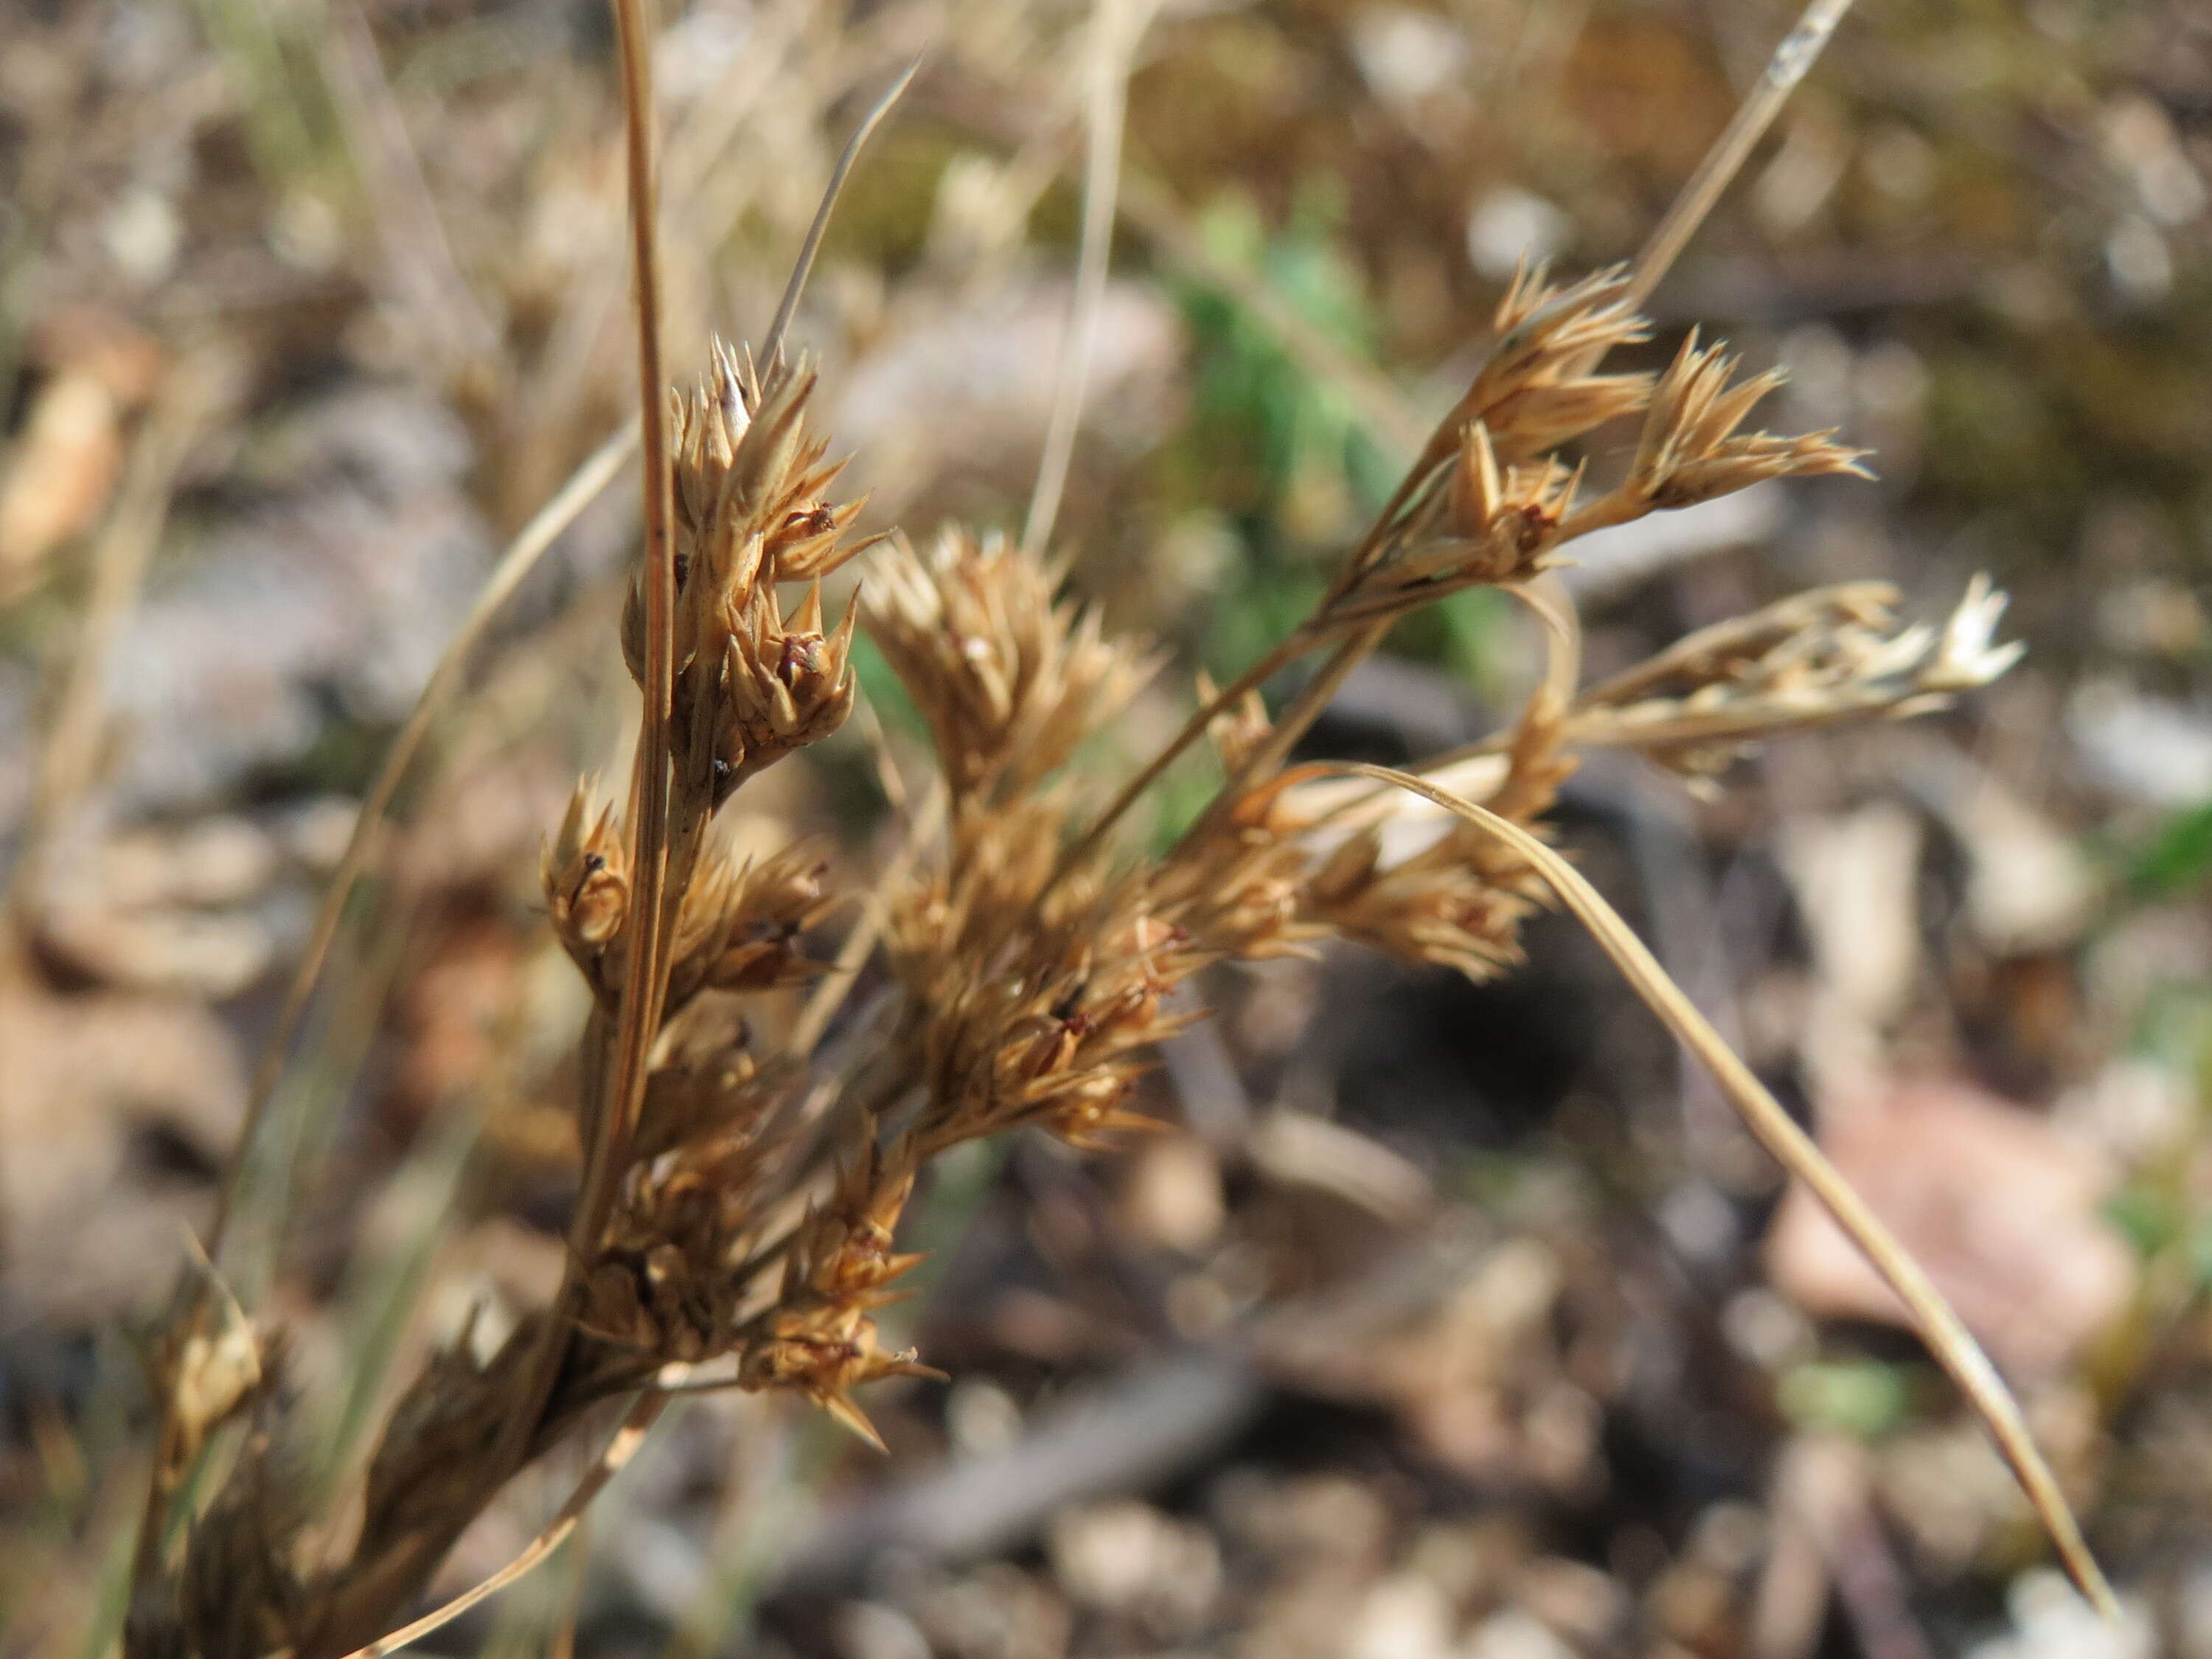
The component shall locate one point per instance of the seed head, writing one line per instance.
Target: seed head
(1536, 390)
(1829, 654)
(754, 508)
(818, 1338)
(1457, 903)
(784, 685)
(1010, 682)
(1691, 451)
(740, 926)
(584, 875)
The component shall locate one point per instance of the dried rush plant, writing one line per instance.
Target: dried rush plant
(739, 1212)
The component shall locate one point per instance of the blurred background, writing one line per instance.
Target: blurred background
(1449, 1322)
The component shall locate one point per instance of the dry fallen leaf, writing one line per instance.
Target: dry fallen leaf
(2001, 1209)
(59, 474)
(1171, 1193)
(115, 1109)
(163, 909)
(56, 476)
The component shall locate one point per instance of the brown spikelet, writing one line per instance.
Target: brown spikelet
(818, 1339)
(1826, 655)
(1691, 450)
(708, 1082)
(785, 686)
(754, 509)
(1011, 680)
(584, 871)
(742, 1200)
(1537, 390)
(1458, 903)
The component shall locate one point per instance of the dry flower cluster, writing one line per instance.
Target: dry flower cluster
(1033, 983)
(749, 1200)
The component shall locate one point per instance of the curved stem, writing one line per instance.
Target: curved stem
(1288, 651)
(1938, 1323)
(1800, 49)
(1114, 28)
(619, 1451)
(592, 476)
(801, 267)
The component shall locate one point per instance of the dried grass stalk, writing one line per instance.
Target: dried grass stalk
(740, 1209)
(1938, 1323)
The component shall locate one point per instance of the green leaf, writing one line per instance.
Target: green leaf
(2147, 1216)
(2178, 860)
(1863, 1398)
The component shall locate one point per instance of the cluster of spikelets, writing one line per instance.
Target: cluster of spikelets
(1830, 654)
(1038, 969)
(757, 1195)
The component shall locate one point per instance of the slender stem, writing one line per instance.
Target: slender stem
(645, 980)
(1114, 28)
(619, 1451)
(642, 991)
(1938, 1323)
(803, 264)
(1800, 49)
(597, 470)
(1288, 651)
(643, 984)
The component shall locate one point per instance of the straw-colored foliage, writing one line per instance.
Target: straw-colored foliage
(753, 1198)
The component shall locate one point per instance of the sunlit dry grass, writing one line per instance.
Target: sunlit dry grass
(741, 1202)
